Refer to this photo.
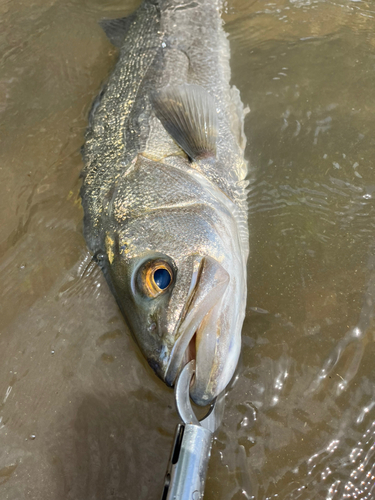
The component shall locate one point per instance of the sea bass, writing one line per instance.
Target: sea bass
(164, 190)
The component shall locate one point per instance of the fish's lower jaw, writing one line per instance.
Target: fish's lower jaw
(211, 374)
(203, 391)
(198, 333)
(201, 397)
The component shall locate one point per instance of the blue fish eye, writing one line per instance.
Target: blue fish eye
(162, 278)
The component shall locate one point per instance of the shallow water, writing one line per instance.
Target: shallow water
(81, 414)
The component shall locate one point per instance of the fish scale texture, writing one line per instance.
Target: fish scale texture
(146, 201)
(156, 52)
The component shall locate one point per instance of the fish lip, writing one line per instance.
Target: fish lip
(188, 322)
(173, 369)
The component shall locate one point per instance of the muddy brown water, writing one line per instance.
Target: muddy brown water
(82, 417)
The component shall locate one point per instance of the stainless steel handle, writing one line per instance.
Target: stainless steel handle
(187, 468)
(191, 451)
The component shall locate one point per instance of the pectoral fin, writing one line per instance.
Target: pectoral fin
(116, 29)
(188, 114)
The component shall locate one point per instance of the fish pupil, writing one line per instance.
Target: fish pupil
(162, 278)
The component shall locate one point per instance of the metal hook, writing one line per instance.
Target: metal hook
(214, 416)
(188, 462)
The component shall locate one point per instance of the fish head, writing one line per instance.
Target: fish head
(180, 287)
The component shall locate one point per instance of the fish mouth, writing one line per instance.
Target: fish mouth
(191, 351)
(197, 331)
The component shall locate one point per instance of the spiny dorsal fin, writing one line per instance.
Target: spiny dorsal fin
(188, 114)
(115, 29)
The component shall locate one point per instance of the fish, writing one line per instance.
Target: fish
(164, 190)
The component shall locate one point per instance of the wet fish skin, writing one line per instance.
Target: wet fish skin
(145, 200)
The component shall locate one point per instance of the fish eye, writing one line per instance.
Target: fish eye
(162, 278)
(156, 278)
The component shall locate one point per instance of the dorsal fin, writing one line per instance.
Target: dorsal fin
(188, 114)
(116, 29)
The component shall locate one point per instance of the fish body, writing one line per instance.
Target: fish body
(164, 190)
